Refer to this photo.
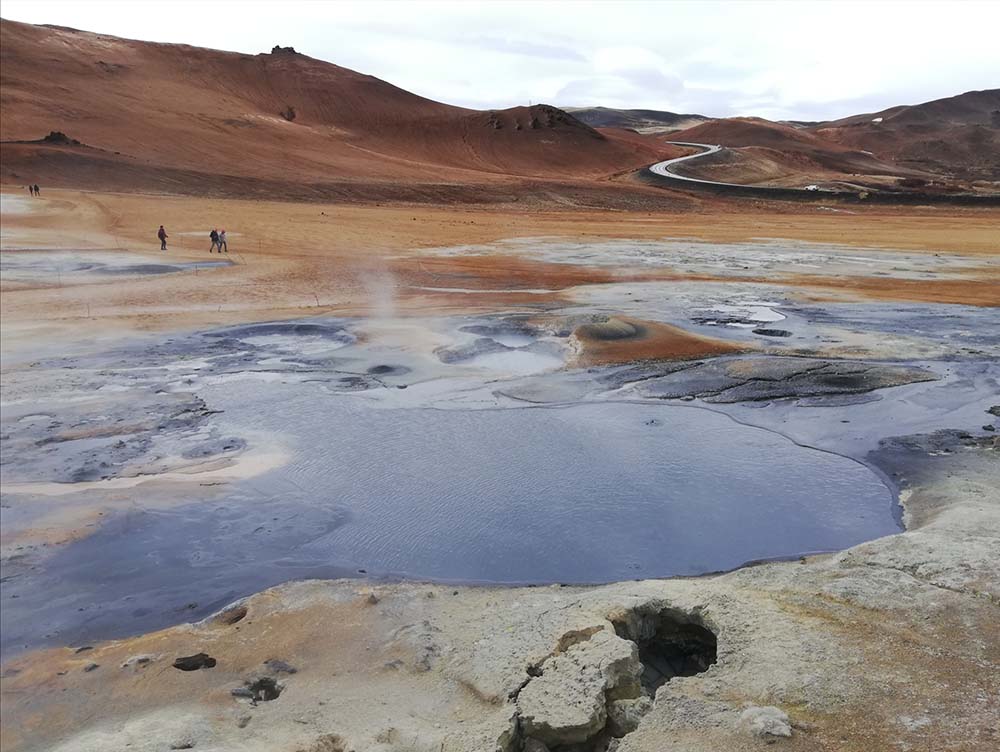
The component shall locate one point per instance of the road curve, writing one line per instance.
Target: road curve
(664, 168)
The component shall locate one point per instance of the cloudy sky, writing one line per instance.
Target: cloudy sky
(799, 60)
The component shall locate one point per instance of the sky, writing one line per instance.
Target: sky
(801, 59)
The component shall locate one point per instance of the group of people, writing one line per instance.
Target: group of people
(33, 190)
(218, 238)
(218, 241)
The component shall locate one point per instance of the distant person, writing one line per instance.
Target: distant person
(222, 241)
(37, 192)
(214, 235)
(31, 190)
(162, 235)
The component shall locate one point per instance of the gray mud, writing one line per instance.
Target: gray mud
(464, 450)
(76, 267)
(590, 491)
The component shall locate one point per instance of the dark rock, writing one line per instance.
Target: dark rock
(91, 667)
(58, 137)
(195, 662)
(989, 428)
(279, 666)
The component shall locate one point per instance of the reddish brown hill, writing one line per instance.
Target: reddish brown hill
(151, 114)
(761, 151)
(956, 136)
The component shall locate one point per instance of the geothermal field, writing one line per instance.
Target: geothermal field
(499, 441)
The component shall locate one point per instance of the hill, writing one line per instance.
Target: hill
(643, 121)
(162, 116)
(764, 152)
(953, 137)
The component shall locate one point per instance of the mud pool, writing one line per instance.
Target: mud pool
(157, 481)
(581, 493)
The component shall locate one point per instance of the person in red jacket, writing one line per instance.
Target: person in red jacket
(162, 235)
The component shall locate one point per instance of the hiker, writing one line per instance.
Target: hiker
(214, 235)
(31, 190)
(162, 235)
(222, 241)
(37, 192)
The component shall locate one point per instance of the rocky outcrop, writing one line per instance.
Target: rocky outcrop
(761, 377)
(569, 701)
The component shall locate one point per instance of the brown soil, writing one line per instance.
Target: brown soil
(624, 340)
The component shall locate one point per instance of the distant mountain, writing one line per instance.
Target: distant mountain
(956, 136)
(643, 121)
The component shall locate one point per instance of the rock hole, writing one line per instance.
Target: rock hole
(265, 689)
(671, 643)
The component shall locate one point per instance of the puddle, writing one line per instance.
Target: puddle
(75, 267)
(303, 345)
(516, 362)
(751, 313)
(594, 492)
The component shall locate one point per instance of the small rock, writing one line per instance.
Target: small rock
(243, 720)
(243, 692)
(137, 661)
(84, 649)
(372, 599)
(989, 428)
(280, 667)
(195, 662)
(91, 666)
(765, 721)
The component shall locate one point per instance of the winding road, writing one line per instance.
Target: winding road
(664, 168)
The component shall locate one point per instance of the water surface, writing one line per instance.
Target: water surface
(592, 492)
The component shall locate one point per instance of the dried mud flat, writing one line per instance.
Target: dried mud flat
(169, 433)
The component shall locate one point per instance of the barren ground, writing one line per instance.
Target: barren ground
(879, 346)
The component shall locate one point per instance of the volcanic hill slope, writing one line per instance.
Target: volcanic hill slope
(957, 136)
(946, 145)
(169, 117)
(139, 116)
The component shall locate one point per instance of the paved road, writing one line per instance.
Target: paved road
(665, 168)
